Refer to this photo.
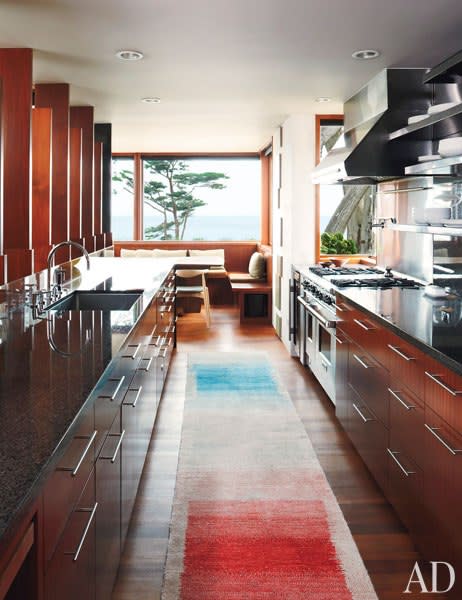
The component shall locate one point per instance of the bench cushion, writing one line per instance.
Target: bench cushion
(209, 252)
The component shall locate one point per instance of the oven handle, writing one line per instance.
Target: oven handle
(309, 307)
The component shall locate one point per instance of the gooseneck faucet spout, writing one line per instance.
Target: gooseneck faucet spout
(53, 251)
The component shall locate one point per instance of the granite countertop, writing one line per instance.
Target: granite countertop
(48, 367)
(417, 318)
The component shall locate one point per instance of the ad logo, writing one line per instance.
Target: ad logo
(417, 580)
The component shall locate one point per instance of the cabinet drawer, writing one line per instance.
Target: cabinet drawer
(369, 437)
(65, 484)
(71, 571)
(405, 491)
(443, 393)
(365, 331)
(443, 485)
(370, 380)
(407, 419)
(406, 364)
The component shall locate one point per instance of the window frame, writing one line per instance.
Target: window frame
(265, 167)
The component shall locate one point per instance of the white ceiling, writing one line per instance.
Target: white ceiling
(228, 71)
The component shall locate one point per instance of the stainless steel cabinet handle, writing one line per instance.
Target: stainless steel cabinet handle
(337, 307)
(365, 419)
(361, 362)
(393, 455)
(338, 340)
(434, 378)
(400, 400)
(132, 356)
(113, 396)
(399, 353)
(147, 366)
(361, 324)
(163, 352)
(92, 512)
(433, 431)
(133, 404)
(75, 470)
(116, 451)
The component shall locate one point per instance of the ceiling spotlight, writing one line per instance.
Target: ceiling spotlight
(365, 54)
(151, 100)
(129, 55)
(323, 99)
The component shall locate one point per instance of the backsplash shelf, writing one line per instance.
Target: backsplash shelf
(425, 125)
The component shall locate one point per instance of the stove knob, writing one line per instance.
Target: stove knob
(327, 299)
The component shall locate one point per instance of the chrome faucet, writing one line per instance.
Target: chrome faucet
(51, 254)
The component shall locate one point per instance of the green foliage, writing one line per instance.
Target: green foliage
(171, 190)
(335, 243)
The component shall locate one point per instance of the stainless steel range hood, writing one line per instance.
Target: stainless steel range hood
(380, 107)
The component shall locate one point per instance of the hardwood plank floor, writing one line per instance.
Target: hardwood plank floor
(384, 544)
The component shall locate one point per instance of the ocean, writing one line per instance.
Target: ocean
(214, 228)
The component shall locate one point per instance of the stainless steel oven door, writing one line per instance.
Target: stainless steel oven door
(318, 344)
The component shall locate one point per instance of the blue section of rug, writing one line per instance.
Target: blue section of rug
(237, 377)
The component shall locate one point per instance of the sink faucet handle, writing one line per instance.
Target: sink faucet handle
(59, 276)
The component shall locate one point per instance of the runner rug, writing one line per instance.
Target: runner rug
(253, 515)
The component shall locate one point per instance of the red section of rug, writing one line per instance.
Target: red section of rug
(260, 550)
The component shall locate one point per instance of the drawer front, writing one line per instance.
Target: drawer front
(407, 419)
(443, 393)
(71, 571)
(406, 364)
(65, 484)
(443, 484)
(405, 492)
(369, 437)
(370, 381)
(365, 331)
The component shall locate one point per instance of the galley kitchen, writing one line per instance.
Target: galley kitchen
(230, 321)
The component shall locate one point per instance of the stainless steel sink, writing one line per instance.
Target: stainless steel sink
(97, 300)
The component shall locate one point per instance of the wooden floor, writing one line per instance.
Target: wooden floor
(386, 548)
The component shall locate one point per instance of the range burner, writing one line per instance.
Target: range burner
(329, 271)
(380, 283)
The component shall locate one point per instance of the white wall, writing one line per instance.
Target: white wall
(297, 204)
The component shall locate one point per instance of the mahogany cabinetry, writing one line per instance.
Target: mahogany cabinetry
(87, 501)
(401, 409)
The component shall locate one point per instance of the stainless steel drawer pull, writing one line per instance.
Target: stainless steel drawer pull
(139, 390)
(117, 448)
(361, 362)
(92, 512)
(113, 396)
(399, 353)
(91, 439)
(337, 307)
(434, 378)
(365, 419)
(163, 352)
(361, 324)
(156, 343)
(433, 431)
(338, 340)
(405, 471)
(400, 400)
(147, 366)
(132, 356)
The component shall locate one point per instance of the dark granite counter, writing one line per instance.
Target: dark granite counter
(417, 318)
(48, 367)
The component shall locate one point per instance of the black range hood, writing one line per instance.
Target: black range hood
(380, 107)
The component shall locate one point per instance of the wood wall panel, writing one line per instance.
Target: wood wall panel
(2, 269)
(16, 74)
(56, 97)
(98, 189)
(75, 183)
(82, 117)
(41, 184)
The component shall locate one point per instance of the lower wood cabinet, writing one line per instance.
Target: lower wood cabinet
(71, 570)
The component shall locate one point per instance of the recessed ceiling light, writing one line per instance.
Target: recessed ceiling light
(365, 54)
(129, 55)
(323, 99)
(151, 100)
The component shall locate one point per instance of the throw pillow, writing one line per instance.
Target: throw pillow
(257, 266)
